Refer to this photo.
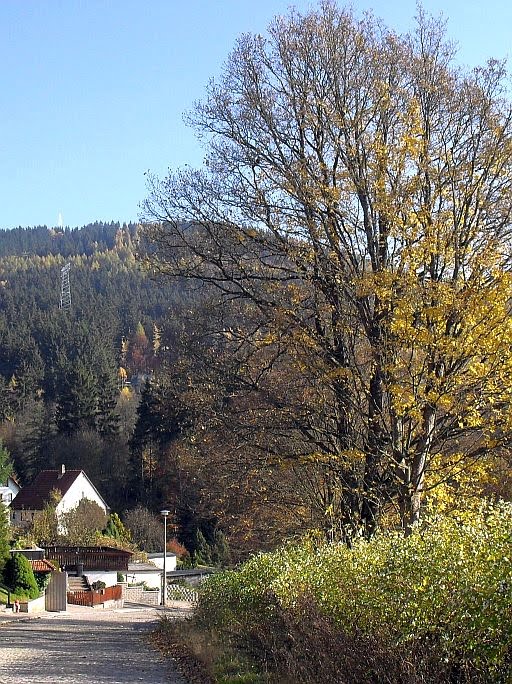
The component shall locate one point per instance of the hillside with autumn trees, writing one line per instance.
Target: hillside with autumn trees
(179, 392)
(132, 383)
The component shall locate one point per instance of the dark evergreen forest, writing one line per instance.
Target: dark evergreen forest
(71, 378)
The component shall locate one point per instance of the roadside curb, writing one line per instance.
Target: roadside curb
(7, 620)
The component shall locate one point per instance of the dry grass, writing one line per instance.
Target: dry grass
(177, 640)
(202, 657)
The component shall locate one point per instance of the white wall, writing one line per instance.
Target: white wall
(152, 579)
(6, 495)
(158, 560)
(80, 489)
(110, 577)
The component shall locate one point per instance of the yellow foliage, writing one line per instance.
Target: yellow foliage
(455, 485)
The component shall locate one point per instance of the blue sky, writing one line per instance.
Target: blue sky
(94, 91)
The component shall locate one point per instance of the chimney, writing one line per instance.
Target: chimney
(62, 471)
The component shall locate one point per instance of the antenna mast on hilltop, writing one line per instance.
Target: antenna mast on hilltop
(65, 289)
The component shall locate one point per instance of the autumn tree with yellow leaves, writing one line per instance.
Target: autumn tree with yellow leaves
(357, 195)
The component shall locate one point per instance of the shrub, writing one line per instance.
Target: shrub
(19, 576)
(174, 546)
(42, 580)
(302, 644)
(444, 590)
(82, 523)
(98, 585)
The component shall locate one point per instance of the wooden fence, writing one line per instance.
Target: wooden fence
(95, 598)
(89, 557)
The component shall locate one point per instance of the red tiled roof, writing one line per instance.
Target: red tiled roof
(35, 496)
(41, 566)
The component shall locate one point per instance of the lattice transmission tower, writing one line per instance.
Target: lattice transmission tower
(65, 288)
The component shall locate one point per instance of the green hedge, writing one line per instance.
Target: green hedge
(19, 576)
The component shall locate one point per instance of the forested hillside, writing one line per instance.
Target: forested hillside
(133, 384)
(172, 392)
(69, 379)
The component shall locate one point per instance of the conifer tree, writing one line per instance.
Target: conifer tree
(19, 576)
(6, 466)
(203, 552)
(160, 420)
(37, 442)
(116, 529)
(5, 535)
(107, 417)
(77, 404)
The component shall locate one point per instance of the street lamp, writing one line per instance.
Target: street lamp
(164, 513)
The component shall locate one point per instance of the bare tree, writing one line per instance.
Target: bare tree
(357, 196)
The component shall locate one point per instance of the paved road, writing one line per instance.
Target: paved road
(83, 645)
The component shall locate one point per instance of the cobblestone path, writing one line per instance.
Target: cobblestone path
(82, 646)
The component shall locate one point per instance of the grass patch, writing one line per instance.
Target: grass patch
(19, 597)
(202, 657)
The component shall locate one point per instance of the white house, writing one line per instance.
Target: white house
(71, 485)
(9, 491)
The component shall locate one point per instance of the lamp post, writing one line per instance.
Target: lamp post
(164, 513)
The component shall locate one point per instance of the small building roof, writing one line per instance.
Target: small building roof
(41, 565)
(160, 554)
(32, 553)
(142, 567)
(36, 495)
(192, 572)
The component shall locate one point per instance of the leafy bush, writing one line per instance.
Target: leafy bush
(174, 546)
(82, 523)
(19, 576)
(444, 590)
(303, 645)
(42, 580)
(5, 532)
